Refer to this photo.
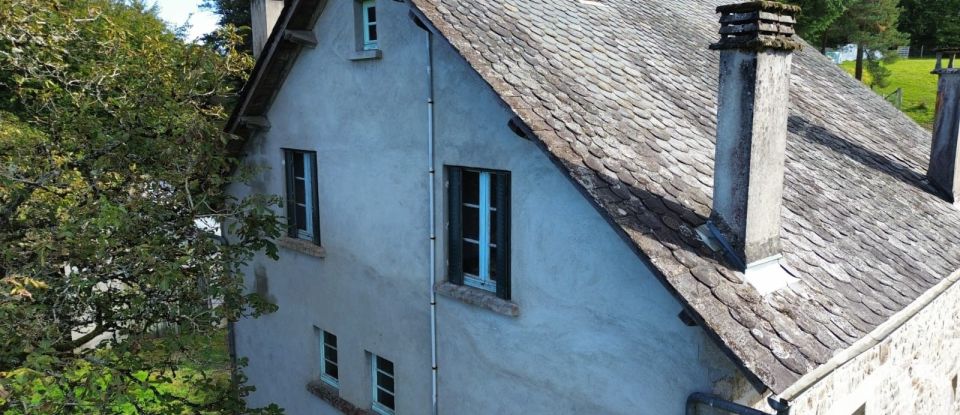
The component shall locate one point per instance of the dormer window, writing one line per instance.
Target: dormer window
(368, 11)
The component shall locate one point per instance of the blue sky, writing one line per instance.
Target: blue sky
(178, 12)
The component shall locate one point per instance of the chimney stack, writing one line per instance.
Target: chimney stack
(263, 15)
(756, 52)
(943, 173)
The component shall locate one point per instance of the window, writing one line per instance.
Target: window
(302, 213)
(368, 12)
(383, 388)
(479, 229)
(329, 369)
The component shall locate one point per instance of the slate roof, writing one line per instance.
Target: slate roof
(622, 94)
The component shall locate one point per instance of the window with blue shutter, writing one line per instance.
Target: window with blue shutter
(303, 217)
(479, 229)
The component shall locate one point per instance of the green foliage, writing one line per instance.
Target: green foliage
(818, 16)
(234, 13)
(110, 151)
(879, 72)
(919, 87)
(931, 23)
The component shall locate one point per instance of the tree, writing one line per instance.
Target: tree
(871, 25)
(110, 151)
(817, 16)
(931, 23)
(234, 13)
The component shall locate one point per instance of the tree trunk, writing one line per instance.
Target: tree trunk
(859, 71)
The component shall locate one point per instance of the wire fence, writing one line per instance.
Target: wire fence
(895, 98)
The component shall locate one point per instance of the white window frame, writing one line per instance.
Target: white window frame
(307, 194)
(483, 280)
(322, 341)
(375, 372)
(365, 6)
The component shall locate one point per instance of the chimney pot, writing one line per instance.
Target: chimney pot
(755, 59)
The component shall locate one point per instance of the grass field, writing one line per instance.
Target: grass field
(919, 87)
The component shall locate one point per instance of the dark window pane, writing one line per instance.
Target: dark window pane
(385, 399)
(300, 191)
(471, 223)
(471, 187)
(330, 353)
(372, 14)
(493, 227)
(301, 217)
(493, 264)
(373, 32)
(298, 164)
(471, 258)
(384, 365)
(385, 382)
(330, 339)
(493, 190)
(332, 370)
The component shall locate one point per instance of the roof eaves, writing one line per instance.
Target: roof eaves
(266, 79)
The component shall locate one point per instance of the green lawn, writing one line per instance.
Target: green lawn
(919, 87)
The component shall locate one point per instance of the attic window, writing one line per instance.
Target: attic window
(368, 12)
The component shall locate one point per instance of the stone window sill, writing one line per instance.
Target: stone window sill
(302, 246)
(479, 298)
(331, 395)
(365, 55)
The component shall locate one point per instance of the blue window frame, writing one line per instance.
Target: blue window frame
(329, 366)
(479, 229)
(383, 386)
(368, 11)
(302, 213)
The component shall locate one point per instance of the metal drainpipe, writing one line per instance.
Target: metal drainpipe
(433, 223)
(714, 401)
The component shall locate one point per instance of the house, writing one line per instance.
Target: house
(593, 207)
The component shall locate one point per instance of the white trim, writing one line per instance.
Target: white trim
(375, 404)
(330, 380)
(484, 230)
(369, 44)
(484, 226)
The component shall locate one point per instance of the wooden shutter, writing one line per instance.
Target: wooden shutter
(503, 234)
(455, 225)
(312, 165)
(288, 156)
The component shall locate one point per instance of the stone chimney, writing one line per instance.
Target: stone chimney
(943, 173)
(756, 51)
(263, 15)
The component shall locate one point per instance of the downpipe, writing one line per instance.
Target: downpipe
(713, 401)
(431, 172)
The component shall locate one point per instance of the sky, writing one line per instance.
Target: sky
(178, 12)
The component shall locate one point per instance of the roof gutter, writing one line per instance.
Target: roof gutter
(698, 398)
(870, 340)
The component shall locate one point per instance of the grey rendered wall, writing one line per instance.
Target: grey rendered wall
(365, 120)
(596, 334)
